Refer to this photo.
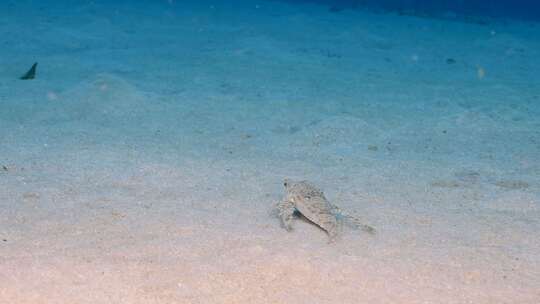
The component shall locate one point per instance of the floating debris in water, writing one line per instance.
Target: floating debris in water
(31, 74)
(480, 72)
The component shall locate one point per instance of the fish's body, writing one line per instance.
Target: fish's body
(310, 201)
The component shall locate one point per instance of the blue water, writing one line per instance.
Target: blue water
(526, 9)
(143, 161)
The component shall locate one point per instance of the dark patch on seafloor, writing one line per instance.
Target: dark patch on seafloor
(31, 74)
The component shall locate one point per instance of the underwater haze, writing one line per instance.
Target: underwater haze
(516, 9)
(273, 151)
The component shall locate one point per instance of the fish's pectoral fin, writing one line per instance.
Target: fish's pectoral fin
(286, 211)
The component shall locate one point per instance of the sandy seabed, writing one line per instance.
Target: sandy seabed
(143, 162)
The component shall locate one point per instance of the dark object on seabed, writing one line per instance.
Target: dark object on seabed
(335, 9)
(31, 74)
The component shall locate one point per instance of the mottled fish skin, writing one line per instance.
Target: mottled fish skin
(310, 201)
(312, 204)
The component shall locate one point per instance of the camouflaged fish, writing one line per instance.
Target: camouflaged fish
(308, 200)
